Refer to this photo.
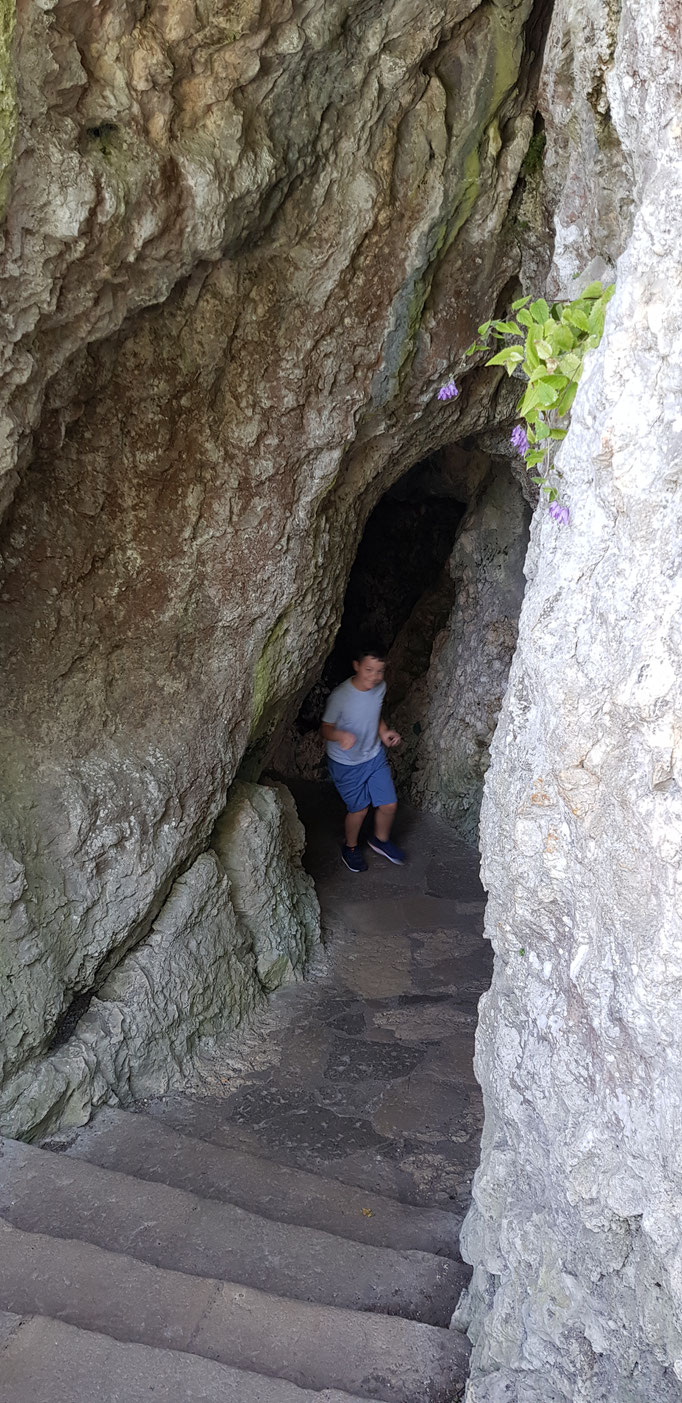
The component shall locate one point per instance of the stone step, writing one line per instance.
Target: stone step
(313, 1346)
(46, 1361)
(167, 1227)
(144, 1147)
(374, 1170)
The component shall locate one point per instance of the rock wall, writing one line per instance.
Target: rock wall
(243, 246)
(259, 841)
(243, 919)
(577, 1220)
(449, 717)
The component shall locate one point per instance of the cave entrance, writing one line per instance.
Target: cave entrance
(403, 554)
(438, 578)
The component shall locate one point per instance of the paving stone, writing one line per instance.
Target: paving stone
(397, 914)
(287, 1120)
(353, 1023)
(430, 1023)
(370, 1061)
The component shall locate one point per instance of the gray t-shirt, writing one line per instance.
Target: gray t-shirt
(349, 709)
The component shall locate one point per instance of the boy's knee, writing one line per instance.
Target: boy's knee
(389, 808)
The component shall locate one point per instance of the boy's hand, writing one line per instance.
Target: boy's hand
(391, 738)
(346, 740)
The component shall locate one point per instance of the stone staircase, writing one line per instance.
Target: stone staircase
(142, 1263)
(292, 1234)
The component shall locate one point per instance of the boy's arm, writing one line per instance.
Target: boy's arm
(345, 739)
(389, 737)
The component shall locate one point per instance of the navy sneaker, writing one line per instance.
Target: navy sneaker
(353, 859)
(387, 849)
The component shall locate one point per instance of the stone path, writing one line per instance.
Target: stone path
(290, 1236)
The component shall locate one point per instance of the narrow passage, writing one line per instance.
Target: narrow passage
(365, 1071)
(290, 1235)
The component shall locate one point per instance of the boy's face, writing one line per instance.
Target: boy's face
(369, 672)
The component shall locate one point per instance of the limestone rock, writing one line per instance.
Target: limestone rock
(576, 1229)
(449, 718)
(587, 175)
(200, 970)
(259, 841)
(242, 252)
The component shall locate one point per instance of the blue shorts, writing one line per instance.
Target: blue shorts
(362, 785)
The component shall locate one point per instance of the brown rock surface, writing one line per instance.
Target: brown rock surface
(242, 250)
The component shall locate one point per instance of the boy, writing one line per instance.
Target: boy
(356, 735)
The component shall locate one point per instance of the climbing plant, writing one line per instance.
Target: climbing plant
(547, 346)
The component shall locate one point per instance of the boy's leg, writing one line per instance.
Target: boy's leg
(353, 826)
(350, 781)
(383, 796)
(383, 819)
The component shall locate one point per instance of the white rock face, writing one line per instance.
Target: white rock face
(244, 918)
(576, 1228)
(458, 701)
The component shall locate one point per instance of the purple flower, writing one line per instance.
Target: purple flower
(448, 391)
(519, 440)
(559, 514)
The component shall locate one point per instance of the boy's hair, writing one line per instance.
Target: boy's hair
(369, 648)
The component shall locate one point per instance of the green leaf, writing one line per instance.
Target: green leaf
(509, 355)
(557, 382)
(470, 349)
(594, 290)
(521, 302)
(544, 349)
(539, 310)
(550, 337)
(536, 455)
(608, 292)
(532, 360)
(545, 394)
(552, 494)
(529, 401)
(566, 399)
(538, 373)
(575, 317)
(558, 433)
(484, 329)
(507, 328)
(570, 364)
(563, 337)
(525, 318)
(543, 432)
(596, 319)
(539, 480)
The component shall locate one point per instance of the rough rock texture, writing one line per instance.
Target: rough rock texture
(449, 717)
(576, 1229)
(586, 175)
(259, 841)
(322, 194)
(220, 939)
